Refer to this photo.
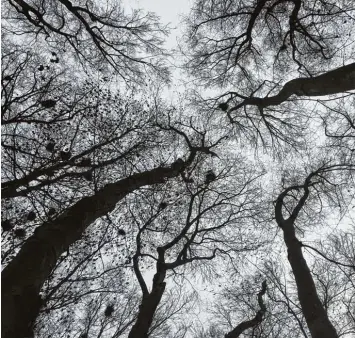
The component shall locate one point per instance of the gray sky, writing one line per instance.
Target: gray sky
(170, 12)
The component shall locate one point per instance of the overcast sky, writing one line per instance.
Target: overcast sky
(170, 12)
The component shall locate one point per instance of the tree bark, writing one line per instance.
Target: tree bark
(316, 317)
(149, 305)
(23, 278)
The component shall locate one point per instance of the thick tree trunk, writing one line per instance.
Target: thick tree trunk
(316, 317)
(146, 313)
(335, 81)
(23, 278)
(149, 305)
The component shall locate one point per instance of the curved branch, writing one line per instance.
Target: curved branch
(336, 81)
(248, 324)
(352, 266)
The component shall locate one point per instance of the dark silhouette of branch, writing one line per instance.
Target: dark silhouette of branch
(96, 34)
(336, 81)
(252, 323)
(352, 266)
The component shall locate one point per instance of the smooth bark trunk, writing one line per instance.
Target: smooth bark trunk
(23, 278)
(316, 317)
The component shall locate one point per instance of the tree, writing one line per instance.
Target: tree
(252, 323)
(224, 42)
(40, 252)
(243, 304)
(312, 308)
(39, 173)
(190, 235)
(286, 311)
(106, 306)
(227, 44)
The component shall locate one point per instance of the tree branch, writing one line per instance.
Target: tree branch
(248, 324)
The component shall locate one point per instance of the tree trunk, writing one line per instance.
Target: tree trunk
(23, 278)
(148, 307)
(316, 317)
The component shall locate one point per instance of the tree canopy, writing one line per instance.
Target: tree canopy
(219, 204)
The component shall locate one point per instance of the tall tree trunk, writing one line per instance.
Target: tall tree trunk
(149, 305)
(23, 278)
(316, 317)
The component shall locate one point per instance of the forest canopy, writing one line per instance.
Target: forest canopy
(205, 190)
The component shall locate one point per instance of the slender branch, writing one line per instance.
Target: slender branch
(248, 324)
(352, 266)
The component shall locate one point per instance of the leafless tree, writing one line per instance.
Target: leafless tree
(297, 195)
(181, 232)
(252, 323)
(104, 183)
(265, 58)
(89, 133)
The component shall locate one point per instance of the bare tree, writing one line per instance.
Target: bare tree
(313, 309)
(86, 135)
(285, 311)
(103, 186)
(191, 236)
(265, 58)
(40, 252)
(240, 308)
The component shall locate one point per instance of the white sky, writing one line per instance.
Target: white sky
(170, 12)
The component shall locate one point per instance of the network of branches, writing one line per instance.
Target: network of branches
(222, 208)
